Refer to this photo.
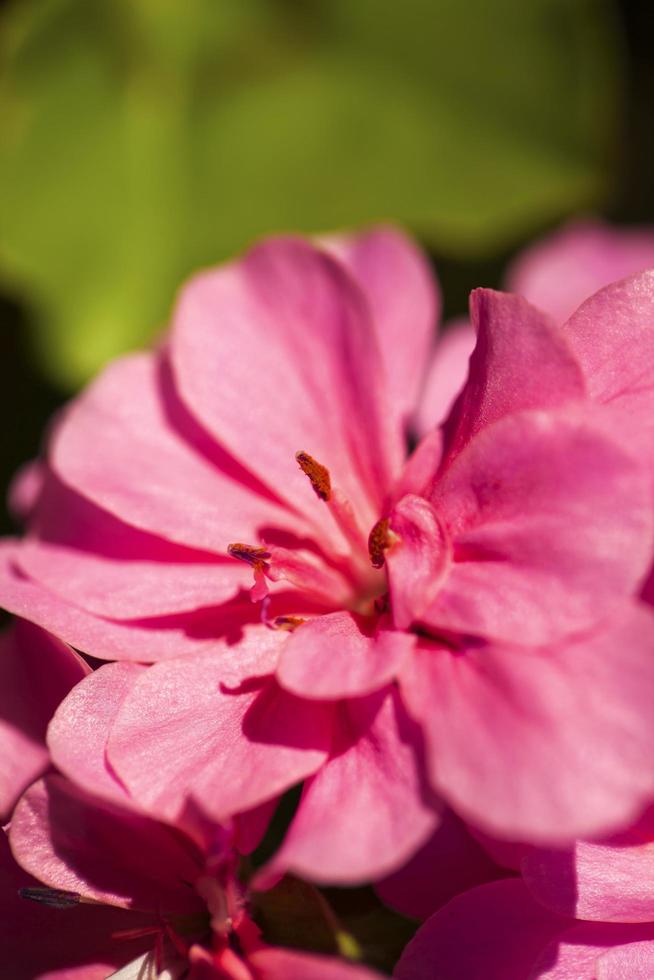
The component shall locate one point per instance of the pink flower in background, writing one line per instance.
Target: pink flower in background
(36, 673)
(605, 881)
(498, 931)
(582, 913)
(556, 274)
(464, 601)
(560, 271)
(170, 905)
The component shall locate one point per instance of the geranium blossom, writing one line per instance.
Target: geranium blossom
(563, 269)
(579, 913)
(499, 931)
(171, 906)
(468, 597)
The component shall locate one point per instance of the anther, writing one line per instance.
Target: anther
(379, 540)
(56, 898)
(253, 555)
(337, 503)
(317, 473)
(289, 623)
(258, 559)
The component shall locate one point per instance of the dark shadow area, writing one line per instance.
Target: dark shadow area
(27, 400)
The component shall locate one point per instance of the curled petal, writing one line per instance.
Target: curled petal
(418, 559)
(335, 656)
(521, 361)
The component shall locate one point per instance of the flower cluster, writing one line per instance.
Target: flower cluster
(297, 545)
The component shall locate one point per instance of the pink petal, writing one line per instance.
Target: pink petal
(612, 336)
(94, 560)
(117, 445)
(521, 361)
(447, 375)
(597, 951)
(71, 841)
(449, 863)
(634, 961)
(299, 323)
(289, 964)
(130, 589)
(78, 733)
(142, 640)
(366, 811)
(558, 273)
(215, 727)
(418, 560)
(335, 656)
(418, 474)
(541, 745)
(493, 932)
(36, 673)
(608, 881)
(550, 522)
(405, 301)
(53, 944)
(25, 489)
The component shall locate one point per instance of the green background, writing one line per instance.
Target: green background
(142, 139)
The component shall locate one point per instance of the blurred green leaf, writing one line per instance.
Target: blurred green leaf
(294, 913)
(144, 138)
(351, 922)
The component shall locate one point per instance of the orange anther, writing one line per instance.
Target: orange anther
(317, 473)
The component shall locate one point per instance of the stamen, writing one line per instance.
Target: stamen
(289, 623)
(337, 503)
(56, 898)
(253, 555)
(317, 473)
(258, 559)
(379, 540)
(300, 568)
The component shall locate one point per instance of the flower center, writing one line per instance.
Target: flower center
(350, 581)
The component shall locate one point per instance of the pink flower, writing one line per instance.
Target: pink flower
(559, 272)
(605, 881)
(132, 893)
(581, 913)
(467, 598)
(36, 672)
(498, 931)
(556, 274)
